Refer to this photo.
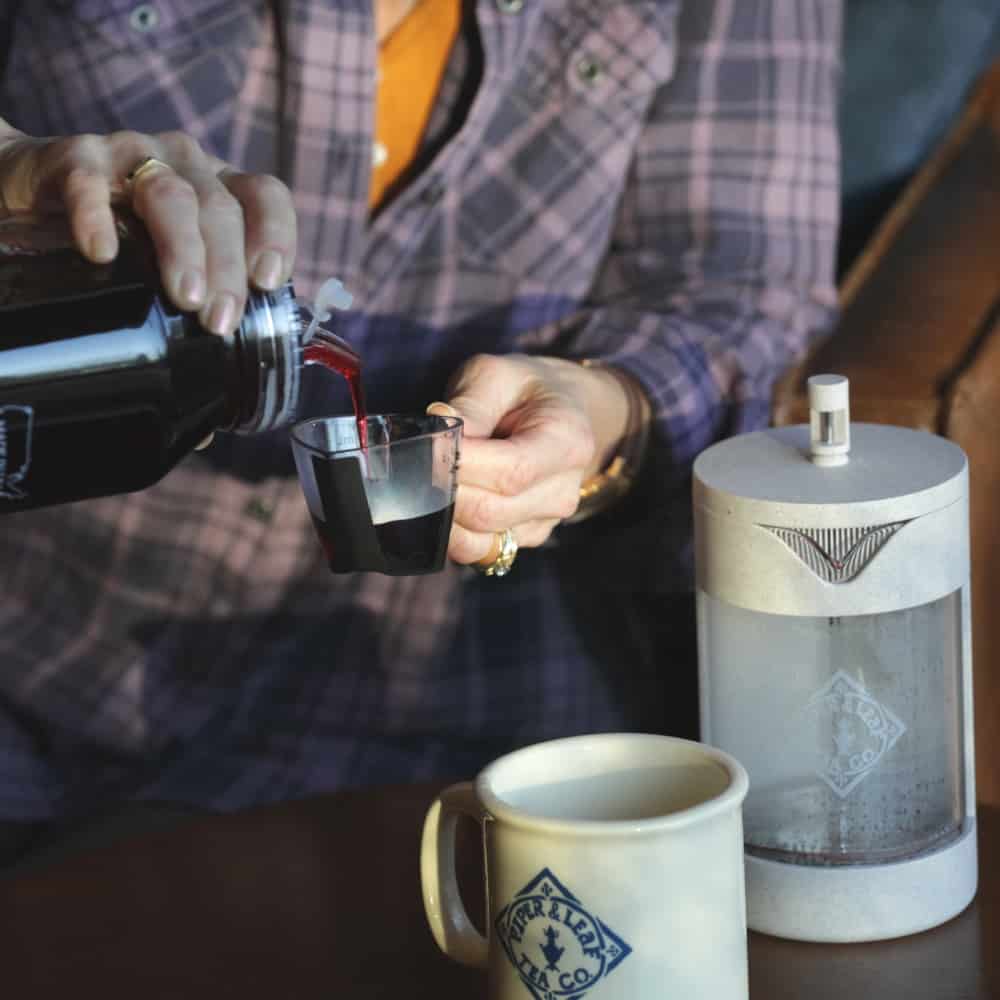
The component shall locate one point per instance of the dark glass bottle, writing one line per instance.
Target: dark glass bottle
(105, 386)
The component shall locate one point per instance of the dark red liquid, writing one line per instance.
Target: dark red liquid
(351, 541)
(407, 547)
(336, 356)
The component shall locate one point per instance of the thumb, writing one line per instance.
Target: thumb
(475, 413)
(471, 427)
(67, 176)
(483, 392)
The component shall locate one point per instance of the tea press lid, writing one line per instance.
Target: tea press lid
(831, 518)
(830, 472)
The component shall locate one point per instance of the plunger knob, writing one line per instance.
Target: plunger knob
(829, 419)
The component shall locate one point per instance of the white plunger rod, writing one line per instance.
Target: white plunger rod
(829, 419)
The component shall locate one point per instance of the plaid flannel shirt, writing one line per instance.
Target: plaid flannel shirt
(649, 182)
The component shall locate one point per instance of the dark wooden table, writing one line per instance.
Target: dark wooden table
(322, 899)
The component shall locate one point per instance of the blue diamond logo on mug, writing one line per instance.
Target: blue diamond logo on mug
(557, 947)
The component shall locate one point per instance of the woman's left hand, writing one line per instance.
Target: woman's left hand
(535, 428)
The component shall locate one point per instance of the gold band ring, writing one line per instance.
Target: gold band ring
(144, 166)
(500, 558)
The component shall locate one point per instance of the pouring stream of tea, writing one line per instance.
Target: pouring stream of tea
(336, 355)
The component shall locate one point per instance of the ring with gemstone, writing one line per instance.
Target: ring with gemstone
(500, 558)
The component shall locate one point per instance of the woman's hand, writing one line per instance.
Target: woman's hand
(535, 428)
(214, 229)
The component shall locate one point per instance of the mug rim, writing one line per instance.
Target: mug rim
(730, 797)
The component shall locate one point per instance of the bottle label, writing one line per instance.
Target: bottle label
(16, 423)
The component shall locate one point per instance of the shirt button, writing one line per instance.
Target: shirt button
(589, 70)
(144, 18)
(510, 6)
(379, 154)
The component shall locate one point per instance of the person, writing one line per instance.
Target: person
(596, 231)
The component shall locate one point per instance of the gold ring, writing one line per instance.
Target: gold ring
(146, 164)
(500, 558)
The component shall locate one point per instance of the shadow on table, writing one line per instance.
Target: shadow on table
(313, 899)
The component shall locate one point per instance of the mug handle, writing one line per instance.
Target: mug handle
(454, 932)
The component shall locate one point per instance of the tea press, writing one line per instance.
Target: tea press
(834, 663)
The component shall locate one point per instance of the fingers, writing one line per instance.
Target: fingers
(202, 230)
(486, 388)
(87, 197)
(269, 221)
(213, 229)
(197, 228)
(71, 174)
(468, 547)
(168, 205)
(486, 512)
(520, 426)
(526, 445)
(510, 466)
(481, 515)
(222, 231)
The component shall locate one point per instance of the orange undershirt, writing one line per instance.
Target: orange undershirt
(411, 63)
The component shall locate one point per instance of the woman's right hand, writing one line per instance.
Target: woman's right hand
(214, 228)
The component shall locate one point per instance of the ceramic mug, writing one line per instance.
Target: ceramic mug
(614, 869)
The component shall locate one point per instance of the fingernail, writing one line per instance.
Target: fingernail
(222, 314)
(191, 288)
(267, 272)
(102, 248)
(440, 409)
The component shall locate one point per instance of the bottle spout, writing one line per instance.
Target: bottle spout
(829, 420)
(331, 295)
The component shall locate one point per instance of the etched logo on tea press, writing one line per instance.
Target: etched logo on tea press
(15, 449)
(558, 948)
(861, 732)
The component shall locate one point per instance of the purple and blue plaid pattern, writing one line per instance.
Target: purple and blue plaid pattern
(649, 182)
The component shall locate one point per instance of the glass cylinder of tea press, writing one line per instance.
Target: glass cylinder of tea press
(834, 650)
